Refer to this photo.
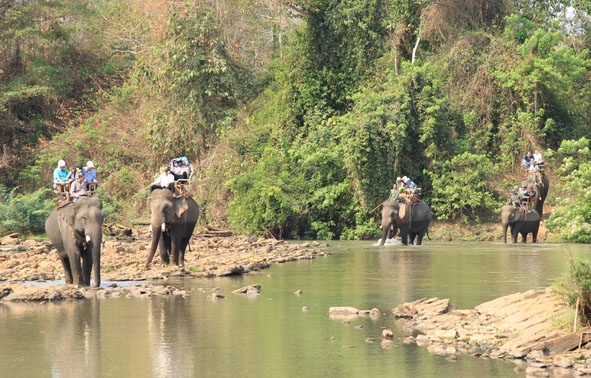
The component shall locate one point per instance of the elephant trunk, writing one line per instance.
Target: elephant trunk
(91, 258)
(505, 226)
(156, 234)
(385, 230)
(95, 241)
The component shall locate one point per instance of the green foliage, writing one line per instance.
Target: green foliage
(542, 84)
(460, 189)
(336, 49)
(24, 213)
(198, 83)
(338, 114)
(573, 219)
(51, 67)
(262, 202)
(577, 288)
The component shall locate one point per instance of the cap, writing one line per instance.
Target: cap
(90, 164)
(404, 178)
(398, 179)
(61, 163)
(79, 165)
(167, 169)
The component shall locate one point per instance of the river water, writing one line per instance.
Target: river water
(281, 334)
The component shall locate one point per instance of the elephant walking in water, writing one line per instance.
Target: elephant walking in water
(412, 221)
(172, 221)
(520, 221)
(75, 230)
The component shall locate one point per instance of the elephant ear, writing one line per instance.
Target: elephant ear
(180, 206)
(402, 211)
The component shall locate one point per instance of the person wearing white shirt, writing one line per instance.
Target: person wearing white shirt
(164, 181)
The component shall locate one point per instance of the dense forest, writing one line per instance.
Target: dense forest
(297, 115)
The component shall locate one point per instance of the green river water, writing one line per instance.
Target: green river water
(272, 335)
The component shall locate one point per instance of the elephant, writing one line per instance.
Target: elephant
(412, 221)
(540, 183)
(75, 230)
(521, 221)
(173, 220)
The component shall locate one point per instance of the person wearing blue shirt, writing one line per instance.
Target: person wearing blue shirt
(90, 172)
(409, 185)
(527, 160)
(60, 174)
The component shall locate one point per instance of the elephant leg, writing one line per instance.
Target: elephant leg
(76, 268)
(534, 236)
(182, 249)
(419, 238)
(67, 270)
(164, 246)
(404, 238)
(523, 237)
(174, 250)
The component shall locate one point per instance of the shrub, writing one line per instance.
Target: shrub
(24, 213)
(577, 289)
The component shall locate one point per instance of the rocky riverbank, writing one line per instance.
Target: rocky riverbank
(534, 329)
(123, 260)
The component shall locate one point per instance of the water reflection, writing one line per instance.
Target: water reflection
(65, 336)
(170, 329)
(271, 336)
(72, 337)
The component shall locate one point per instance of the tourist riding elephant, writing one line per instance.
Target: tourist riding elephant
(75, 230)
(521, 221)
(540, 184)
(412, 221)
(172, 222)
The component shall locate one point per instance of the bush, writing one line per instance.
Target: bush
(460, 189)
(25, 213)
(573, 220)
(577, 289)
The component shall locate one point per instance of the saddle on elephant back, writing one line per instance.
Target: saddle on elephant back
(62, 190)
(182, 186)
(411, 198)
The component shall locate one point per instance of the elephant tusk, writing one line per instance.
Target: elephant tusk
(163, 227)
(150, 230)
(87, 238)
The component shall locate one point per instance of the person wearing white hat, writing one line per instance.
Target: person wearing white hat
(60, 174)
(90, 172)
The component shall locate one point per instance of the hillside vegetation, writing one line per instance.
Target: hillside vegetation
(298, 116)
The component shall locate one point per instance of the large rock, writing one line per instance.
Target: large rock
(517, 326)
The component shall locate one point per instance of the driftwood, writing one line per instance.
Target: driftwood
(118, 230)
(211, 231)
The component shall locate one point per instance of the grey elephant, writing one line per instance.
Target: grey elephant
(172, 221)
(540, 184)
(520, 221)
(412, 221)
(75, 230)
